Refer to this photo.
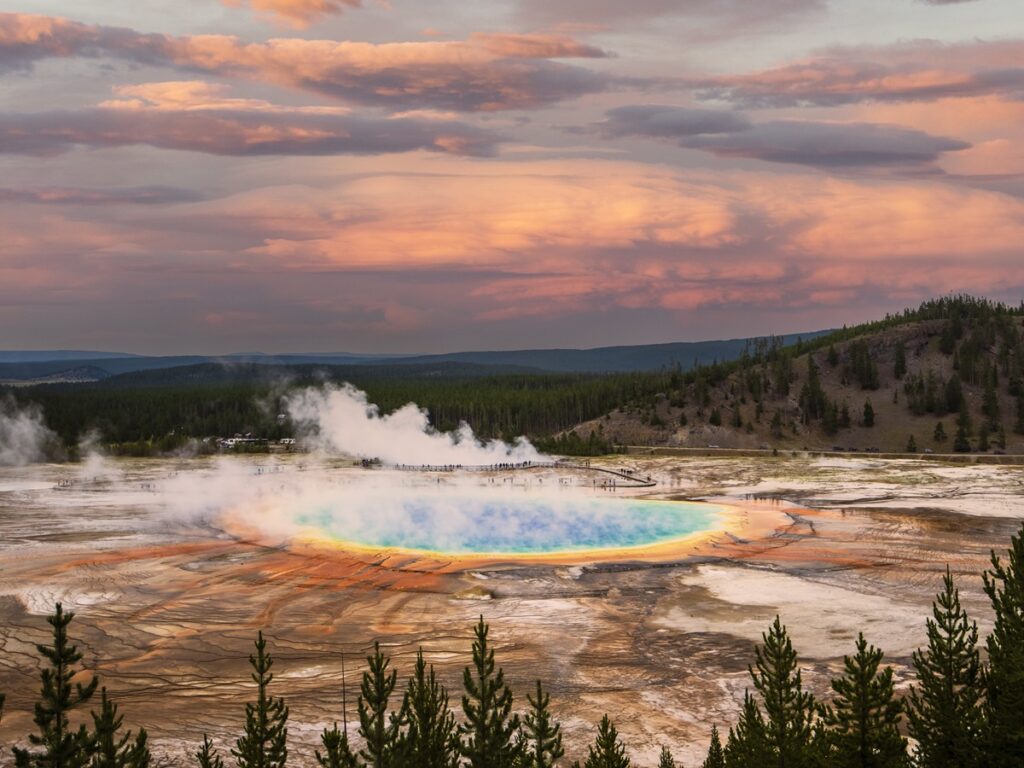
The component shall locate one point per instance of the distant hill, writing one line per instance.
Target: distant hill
(47, 355)
(953, 360)
(620, 359)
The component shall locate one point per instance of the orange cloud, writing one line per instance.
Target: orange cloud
(298, 13)
(483, 72)
(915, 71)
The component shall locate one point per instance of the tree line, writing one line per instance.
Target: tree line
(962, 711)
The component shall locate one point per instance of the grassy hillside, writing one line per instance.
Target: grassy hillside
(953, 361)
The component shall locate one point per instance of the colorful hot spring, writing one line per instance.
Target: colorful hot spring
(513, 525)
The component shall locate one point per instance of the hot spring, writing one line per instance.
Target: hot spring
(462, 523)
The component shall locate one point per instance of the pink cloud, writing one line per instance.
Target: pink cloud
(298, 13)
(481, 73)
(913, 71)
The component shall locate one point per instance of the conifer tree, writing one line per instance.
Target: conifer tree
(911, 445)
(607, 751)
(543, 735)
(665, 760)
(337, 753)
(716, 756)
(869, 414)
(899, 368)
(139, 756)
(379, 728)
(945, 707)
(939, 436)
(789, 710)
(112, 749)
(490, 728)
(431, 739)
(206, 756)
(863, 719)
(58, 745)
(746, 746)
(962, 441)
(1004, 707)
(264, 743)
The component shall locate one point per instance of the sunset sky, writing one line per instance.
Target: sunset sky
(217, 176)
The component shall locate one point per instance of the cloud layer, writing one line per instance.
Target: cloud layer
(414, 176)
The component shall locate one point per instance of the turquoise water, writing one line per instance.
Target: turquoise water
(509, 525)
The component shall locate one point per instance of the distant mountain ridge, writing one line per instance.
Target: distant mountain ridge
(33, 365)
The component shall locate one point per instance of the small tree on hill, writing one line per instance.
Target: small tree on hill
(607, 751)
(911, 445)
(57, 746)
(264, 743)
(939, 435)
(944, 708)
(899, 366)
(490, 728)
(869, 414)
(665, 759)
(1004, 707)
(862, 721)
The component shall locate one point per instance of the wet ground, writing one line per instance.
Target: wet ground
(168, 604)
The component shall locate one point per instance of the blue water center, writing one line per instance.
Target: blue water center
(467, 524)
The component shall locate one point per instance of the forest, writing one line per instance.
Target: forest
(155, 412)
(963, 708)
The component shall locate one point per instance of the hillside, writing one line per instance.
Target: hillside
(951, 362)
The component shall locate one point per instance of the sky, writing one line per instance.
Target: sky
(213, 176)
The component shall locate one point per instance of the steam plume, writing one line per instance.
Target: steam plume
(24, 437)
(342, 420)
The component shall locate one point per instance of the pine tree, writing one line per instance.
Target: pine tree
(962, 441)
(337, 753)
(490, 726)
(264, 743)
(939, 436)
(665, 760)
(747, 744)
(789, 710)
(206, 756)
(869, 414)
(139, 755)
(1018, 425)
(379, 728)
(607, 751)
(1004, 707)
(899, 368)
(112, 749)
(59, 746)
(431, 739)
(543, 735)
(944, 709)
(983, 444)
(716, 756)
(863, 719)
(911, 445)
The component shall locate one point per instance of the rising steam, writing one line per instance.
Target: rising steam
(342, 420)
(24, 437)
